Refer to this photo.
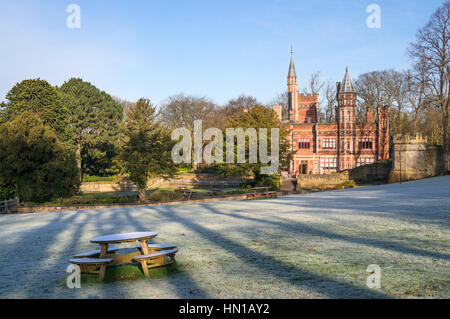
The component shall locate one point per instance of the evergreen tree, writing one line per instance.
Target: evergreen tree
(261, 117)
(94, 117)
(41, 98)
(34, 164)
(145, 145)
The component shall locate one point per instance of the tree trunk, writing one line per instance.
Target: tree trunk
(416, 117)
(78, 157)
(142, 196)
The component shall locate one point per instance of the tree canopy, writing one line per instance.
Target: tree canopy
(41, 98)
(145, 145)
(35, 165)
(94, 117)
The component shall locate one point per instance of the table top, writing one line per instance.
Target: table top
(264, 187)
(118, 238)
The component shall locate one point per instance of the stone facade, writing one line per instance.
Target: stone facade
(324, 148)
(415, 159)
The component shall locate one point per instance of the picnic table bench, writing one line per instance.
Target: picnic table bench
(266, 192)
(215, 191)
(157, 259)
(9, 206)
(186, 193)
(96, 261)
(91, 265)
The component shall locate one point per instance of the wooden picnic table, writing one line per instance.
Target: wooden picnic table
(188, 194)
(104, 241)
(266, 192)
(216, 190)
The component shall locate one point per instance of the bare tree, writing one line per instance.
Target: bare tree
(315, 84)
(281, 99)
(232, 109)
(181, 111)
(417, 84)
(384, 88)
(242, 101)
(330, 97)
(432, 47)
(369, 90)
(126, 105)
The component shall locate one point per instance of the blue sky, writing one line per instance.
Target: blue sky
(213, 48)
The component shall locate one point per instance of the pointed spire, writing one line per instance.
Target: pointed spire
(292, 72)
(347, 85)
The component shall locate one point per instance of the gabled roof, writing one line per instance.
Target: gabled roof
(347, 85)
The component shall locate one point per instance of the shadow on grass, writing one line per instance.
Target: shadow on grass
(298, 227)
(129, 272)
(273, 267)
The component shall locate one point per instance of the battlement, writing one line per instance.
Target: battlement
(406, 139)
(308, 97)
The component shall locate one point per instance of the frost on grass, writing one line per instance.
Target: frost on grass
(315, 245)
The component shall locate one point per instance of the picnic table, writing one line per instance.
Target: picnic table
(266, 192)
(104, 241)
(149, 256)
(216, 191)
(186, 192)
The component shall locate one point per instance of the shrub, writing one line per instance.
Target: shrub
(92, 200)
(34, 161)
(346, 184)
(268, 180)
(91, 179)
(6, 193)
(164, 196)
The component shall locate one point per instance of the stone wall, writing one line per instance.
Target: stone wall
(321, 180)
(189, 180)
(376, 172)
(415, 159)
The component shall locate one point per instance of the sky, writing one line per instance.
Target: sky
(214, 48)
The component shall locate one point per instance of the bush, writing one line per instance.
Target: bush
(6, 193)
(92, 179)
(346, 184)
(93, 200)
(268, 180)
(164, 196)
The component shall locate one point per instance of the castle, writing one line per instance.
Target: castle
(322, 148)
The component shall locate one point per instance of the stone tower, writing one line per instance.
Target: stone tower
(383, 133)
(346, 120)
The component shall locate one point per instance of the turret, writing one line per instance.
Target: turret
(292, 89)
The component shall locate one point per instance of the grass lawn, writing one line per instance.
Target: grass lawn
(127, 272)
(125, 197)
(315, 245)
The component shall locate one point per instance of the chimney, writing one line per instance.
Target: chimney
(369, 116)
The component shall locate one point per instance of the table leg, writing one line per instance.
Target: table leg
(103, 254)
(145, 251)
(145, 268)
(101, 275)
